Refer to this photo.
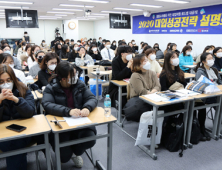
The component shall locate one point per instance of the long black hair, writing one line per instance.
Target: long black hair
(65, 69)
(64, 49)
(123, 49)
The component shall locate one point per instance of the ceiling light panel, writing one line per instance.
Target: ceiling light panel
(128, 9)
(62, 15)
(93, 1)
(58, 12)
(66, 9)
(80, 6)
(16, 2)
(13, 7)
(174, 1)
(148, 6)
(117, 12)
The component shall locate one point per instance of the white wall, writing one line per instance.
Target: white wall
(46, 31)
(86, 29)
(102, 29)
(71, 34)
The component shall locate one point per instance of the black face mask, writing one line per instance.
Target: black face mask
(156, 48)
(40, 60)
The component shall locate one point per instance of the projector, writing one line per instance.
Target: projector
(88, 12)
(146, 14)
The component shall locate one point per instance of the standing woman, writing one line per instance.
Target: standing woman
(113, 45)
(64, 52)
(94, 53)
(73, 54)
(48, 67)
(171, 74)
(83, 58)
(69, 97)
(154, 65)
(31, 59)
(186, 58)
(121, 69)
(16, 102)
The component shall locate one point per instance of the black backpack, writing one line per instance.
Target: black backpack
(195, 134)
(172, 134)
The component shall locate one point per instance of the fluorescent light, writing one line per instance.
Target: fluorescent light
(149, 6)
(49, 18)
(55, 12)
(93, 16)
(175, 1)
(15, 7)
(62, 15)
(16, 2)
(81, 6)
(66, 9)
(2, 10)
(93, 1)
(114, 12)
(128, 9)
(99, 14)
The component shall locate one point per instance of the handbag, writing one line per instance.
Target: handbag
(176, 86)
(195, 133)
(105, 63)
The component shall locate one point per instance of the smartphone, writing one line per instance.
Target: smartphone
(16, 128)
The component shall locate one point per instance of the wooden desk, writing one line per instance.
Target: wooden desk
(102, 73)
(64, 59)
(189, 76)
(35, 80)
(34, 95)
(156, 106)
(37, 125)
(217, 118)
(97, 117)
(39, 95)
(191, 67)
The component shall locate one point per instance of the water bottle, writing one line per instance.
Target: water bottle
(107, 106)
(97, 71)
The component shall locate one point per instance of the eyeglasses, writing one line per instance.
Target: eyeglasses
(6, 81)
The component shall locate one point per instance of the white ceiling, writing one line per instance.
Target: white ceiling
(46, 5)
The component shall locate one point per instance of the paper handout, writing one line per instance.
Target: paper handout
(71, 121)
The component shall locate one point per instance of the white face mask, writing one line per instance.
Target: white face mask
(78, 43)
(73, 80)
(104, 43)
(9, 52)
(175, 61)
(129, 57)
(211, 51)
(219, 54)
(188, 52)
(94, 49)
(76, 48)
(133, 43)
(7, 86)
(114, 43)
(11, 65)
(191, 45)
(210, 63)
(26, 34)
(147, 66)
(108, 46)
(153, 57)
(52, 67)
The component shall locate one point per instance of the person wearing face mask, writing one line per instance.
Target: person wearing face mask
(17, 63)
(21, 51)
(207, 49)
(73, 54)
(100, 41)
(36, 68)
(218, 58)
(144, 45)
(121, 69)
(159, 53)
(26, 37)
(43, 45)
(94, 53)
(167, 48)
(102, 45)
(186, 58)
(79, 43)
(154, 65)
(7, 59)
(86, 46)
(83, 59)
(190, 43)
(16, 102)
(113, 45)
(205, 68)
(172, 74)
(107, 53)
(31, 59)
(64, 52)
(48, 68)
(63, 98)
(58, 48)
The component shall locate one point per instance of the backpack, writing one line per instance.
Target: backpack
(172, 134)
(195, 134)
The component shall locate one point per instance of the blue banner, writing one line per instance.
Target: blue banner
(202, 20)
